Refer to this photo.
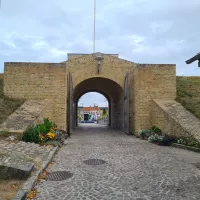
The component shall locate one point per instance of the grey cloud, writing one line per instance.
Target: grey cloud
(169, 30)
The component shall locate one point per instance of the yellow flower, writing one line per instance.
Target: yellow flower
(51, 135)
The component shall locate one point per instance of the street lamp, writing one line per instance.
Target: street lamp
(194, 58)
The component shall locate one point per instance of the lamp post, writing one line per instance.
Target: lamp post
(194, 58)
(98, 58)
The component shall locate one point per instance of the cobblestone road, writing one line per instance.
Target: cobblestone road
(135, 169)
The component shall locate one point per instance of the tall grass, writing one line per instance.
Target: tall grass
(188, 93)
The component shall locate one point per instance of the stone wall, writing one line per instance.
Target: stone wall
(38, 81)
(149, 82)
(174, 119)
(85, 67)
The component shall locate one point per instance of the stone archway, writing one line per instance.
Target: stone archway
(111, 90)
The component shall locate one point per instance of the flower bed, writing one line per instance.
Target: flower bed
(45, 132)
(156, 136)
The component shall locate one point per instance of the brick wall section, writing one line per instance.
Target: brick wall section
(38, 81)
(84, 67)
(150, 82)
(174, 119)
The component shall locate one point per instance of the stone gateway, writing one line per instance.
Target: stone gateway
(136, 92)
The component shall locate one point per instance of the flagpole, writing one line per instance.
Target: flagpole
(94, 26)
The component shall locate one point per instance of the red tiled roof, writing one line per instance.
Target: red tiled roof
(88, 109)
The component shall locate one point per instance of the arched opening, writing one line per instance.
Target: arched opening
(93, 107)
(111, 90)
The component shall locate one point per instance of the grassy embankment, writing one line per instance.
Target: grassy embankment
(188, 94)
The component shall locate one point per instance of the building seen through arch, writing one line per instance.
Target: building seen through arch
(93, 107)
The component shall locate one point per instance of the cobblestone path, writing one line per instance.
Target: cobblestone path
(135, 169)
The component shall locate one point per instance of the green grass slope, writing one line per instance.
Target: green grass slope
(7, 105)
(188, 94)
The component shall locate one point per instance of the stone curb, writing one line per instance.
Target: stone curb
(30, 183)
(197, 150)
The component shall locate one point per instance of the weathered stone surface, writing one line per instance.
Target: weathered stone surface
(18, 159)
(174, 119)
(26, 115)
(135, 169)
(30, 151)
(12, 167)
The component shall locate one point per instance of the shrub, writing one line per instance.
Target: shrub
(161, 139)
(42, 132)
(181, 141)
(194, 143)
(41, 128)
(189, 142)
(32, 134)
(155, 138)
(166, 140)
(144, 134)
(48, 125)
(156, 130)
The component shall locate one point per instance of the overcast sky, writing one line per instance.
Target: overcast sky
(142, 31)
(93, 98)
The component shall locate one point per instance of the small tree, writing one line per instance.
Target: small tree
(104, 111)
(80, 117)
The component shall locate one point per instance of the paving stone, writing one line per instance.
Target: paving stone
(17, 159)
(14, 167)
(135, 169)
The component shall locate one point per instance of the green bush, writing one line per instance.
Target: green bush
(156, 130)
(41, 128)
(194, 143)
(48, 124)
(155, 138)
(32, 134)
(40, 133)
(189, 142)
(144, 134)
(161, 139)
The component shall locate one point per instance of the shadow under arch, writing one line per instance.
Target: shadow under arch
(112, 91)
